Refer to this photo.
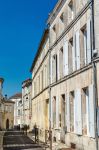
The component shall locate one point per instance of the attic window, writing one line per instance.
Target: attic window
(71, 5)
(62, 17)
(54, 28)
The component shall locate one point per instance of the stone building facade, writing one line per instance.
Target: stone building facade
(73, 56)
(6, 110)
(40, 87)
(18, 112)
(26, 101)
(72, 32)
(7, 114)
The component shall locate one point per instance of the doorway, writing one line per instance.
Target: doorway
(7, 124)
(63, 118)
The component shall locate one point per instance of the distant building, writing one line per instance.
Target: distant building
(18, 113)
(6, 110)
(26, 101)
(1, 105)
(7, 114)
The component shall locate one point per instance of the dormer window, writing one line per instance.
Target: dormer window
(62, 17)
(54, 28)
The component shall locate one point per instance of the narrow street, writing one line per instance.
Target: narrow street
(15, 140)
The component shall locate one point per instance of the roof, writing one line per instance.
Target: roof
(45, 34)
(16, 96)
(6, 100)
(26, 83)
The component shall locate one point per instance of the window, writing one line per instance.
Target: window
(61, 62)
(54, 33)
(54, 28)
(63, 110)
(71, 10)
(54, 111)
(72, 96)
(6, 108)
(18, 112)
(83, 46)
(62, 17)
(84, 110)
(71, 48)
(34, 88)
(54, 68)
(42, 79)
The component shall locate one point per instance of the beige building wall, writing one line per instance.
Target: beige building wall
(40, 88)
(72, 81)
(8, 115)
(27, 102)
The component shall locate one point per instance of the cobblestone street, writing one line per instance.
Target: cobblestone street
(14, 140)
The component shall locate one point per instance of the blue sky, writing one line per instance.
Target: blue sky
(21, 26)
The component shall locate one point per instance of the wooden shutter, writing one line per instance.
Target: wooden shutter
(98, 120)
(78, 114)
(51, 69)
(65, 17)
(51, 113)
(65, 56)
(88, 41)
(74, 54)
(78, 49)
(68, 113)
(57, 112)
(58, 74)
(91, 113)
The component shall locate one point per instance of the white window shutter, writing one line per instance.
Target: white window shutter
(88, 41)
(65, 56)
(51, 69)
(68, 112)
(98, 120)
(78, 113)
(58, 75)
(78, 49)
(74, 54)
(57, 112)
(51, 113)
(91, 112)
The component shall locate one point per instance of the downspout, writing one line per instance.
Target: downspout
(94, 74)
(50, 108)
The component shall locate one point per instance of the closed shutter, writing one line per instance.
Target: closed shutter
(98, 120)
(78, 114)
(57, 112)
(51, 113)
(65, 17)
(91, 113)
(65, 55)
(88, 41)
(78, 49)
(51, 69)
(58, 74)
(74, 53)
(68, 113)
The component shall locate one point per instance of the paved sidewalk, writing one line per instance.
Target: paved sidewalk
(56, 146)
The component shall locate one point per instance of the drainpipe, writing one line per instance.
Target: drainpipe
(50, 109)
(94, 74)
